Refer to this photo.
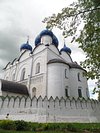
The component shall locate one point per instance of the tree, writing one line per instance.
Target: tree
(81, 21)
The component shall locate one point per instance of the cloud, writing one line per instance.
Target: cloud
(20, 18)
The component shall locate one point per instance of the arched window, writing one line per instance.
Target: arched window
(22, 74)
(66, 73)
(34, 92)
(79, 91)
(78, 76)
(66, 91)
(37, 68)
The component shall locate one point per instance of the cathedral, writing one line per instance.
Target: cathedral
(44, 84)
(44, 71)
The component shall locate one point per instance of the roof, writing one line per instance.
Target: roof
(71, 65)
(6, 65)
(13, 87)
(49, 33)
(26, 46)
(66, 49)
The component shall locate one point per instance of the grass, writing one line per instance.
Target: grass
(11, 131)
(7, 131)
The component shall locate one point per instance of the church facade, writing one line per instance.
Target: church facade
(45, 70)
(45, 85)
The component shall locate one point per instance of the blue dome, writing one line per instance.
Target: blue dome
(26, 46)
(66, 49)
(55, 41)
(49, 33)
(46, 32)
(37, 40)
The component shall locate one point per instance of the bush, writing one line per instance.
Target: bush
(71, 127)
(22, 125)
(7, 125)
(36, 126)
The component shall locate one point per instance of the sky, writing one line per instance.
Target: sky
(22, 18)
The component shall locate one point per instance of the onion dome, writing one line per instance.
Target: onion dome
(55, 41)
(26, 46)
(49, 33)
(37, 40)
(66, 49)
(46, 32)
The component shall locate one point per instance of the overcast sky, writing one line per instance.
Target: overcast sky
(22, 18)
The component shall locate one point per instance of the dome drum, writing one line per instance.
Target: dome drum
(46, 39)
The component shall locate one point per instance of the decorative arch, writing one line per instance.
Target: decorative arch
(23, 74)
(19, 71)
(13, 71)
(37, 68)
(13, 77)
(33, 91)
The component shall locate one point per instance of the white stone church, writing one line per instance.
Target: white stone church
(44, 70)
(45, 85)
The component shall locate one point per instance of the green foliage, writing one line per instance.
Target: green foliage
(71, 127)
(22, 125)
(47, 127)
(81, 21)
(7, 125)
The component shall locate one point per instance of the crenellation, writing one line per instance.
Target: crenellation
(39, 102)
(79, 104)
(89, 104)
(84, 104)
(17, 102)
(68, 103)
(11, 102)
(28, 102)
(62, 103)
(5, 102)
(45, 102)
(57, 103)
(34, 102)
(49, 110)
(22, 102)
(73, 103)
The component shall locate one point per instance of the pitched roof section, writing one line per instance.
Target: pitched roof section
(13, 87)
(71, 65)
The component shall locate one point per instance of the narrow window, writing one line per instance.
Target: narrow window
(66, 91)
(37, 68)
(79, 92)
(22, 74)
(78, 76)
(66, 73)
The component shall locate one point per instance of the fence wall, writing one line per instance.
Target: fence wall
(49, 110)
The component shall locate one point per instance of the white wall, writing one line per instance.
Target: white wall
(56, 79)
(50, 110)
(74, 83)
(66, 57)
